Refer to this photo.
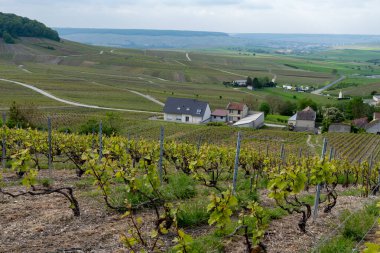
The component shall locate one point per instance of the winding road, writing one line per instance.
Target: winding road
(46, 94)
(319, 91)
(188, 57)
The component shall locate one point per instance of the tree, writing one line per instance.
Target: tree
(287, 108)
(333, 114)
(16, 118)
(334, 71)
(8, 38)
(256, 83)
(264, 107)
(264, 81)
(357, 109)
(305, 102)
(249, 81)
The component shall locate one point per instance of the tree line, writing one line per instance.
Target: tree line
(13, 26)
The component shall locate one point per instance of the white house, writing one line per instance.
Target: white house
(241, 83)
(186, 110)
(219, 115)
(376, 99)
(236, 111)
(303, 120)
(255, 120)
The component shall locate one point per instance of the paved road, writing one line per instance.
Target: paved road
(319, 91)
(188, 57)
(46, 94)
(274, 125)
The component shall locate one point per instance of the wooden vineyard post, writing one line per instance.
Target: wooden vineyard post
(331, 154)
(3, 144)
(160, 173)
(50, 154)
(100, 141)
(300, 153)
(236, 165)
(370, 165)
(318, 191)
(199, 144)
(267, 150)
(282, 152)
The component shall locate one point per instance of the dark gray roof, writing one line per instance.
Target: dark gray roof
(185, 106)
(307, 114)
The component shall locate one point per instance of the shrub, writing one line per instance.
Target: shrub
(8, 38)
(180, 186)
(193, 214)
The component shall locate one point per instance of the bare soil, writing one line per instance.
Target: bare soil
(46, 224)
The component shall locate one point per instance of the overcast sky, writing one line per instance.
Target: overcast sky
(233, 16)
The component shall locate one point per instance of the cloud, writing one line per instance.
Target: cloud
(279, 16)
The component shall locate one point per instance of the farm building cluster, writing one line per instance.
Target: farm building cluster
(193, 111)
(375, 101)
(372, 127)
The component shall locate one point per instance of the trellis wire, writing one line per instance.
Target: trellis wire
(359, 243)
(329, 236)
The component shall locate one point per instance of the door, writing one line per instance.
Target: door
(187, 119)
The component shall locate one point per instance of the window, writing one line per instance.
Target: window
(187, 119)
(222, 117)
(199, 111)
(187, 109)
(178, 108)
(238, 111)
(214, 117)
(238, 118)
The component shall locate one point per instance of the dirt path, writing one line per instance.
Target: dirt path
(24, 69)
(228, 72)
(46, 94)
(180, 63)
(147, 97)
(188, 57)
(309, 144)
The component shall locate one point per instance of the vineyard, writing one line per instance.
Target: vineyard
(355, 147)
(82, 193)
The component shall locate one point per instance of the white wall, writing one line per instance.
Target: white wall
(218, 119)
(374, 129)
(207, 114)
(173, 117)
(305, 124)
(259, 122)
